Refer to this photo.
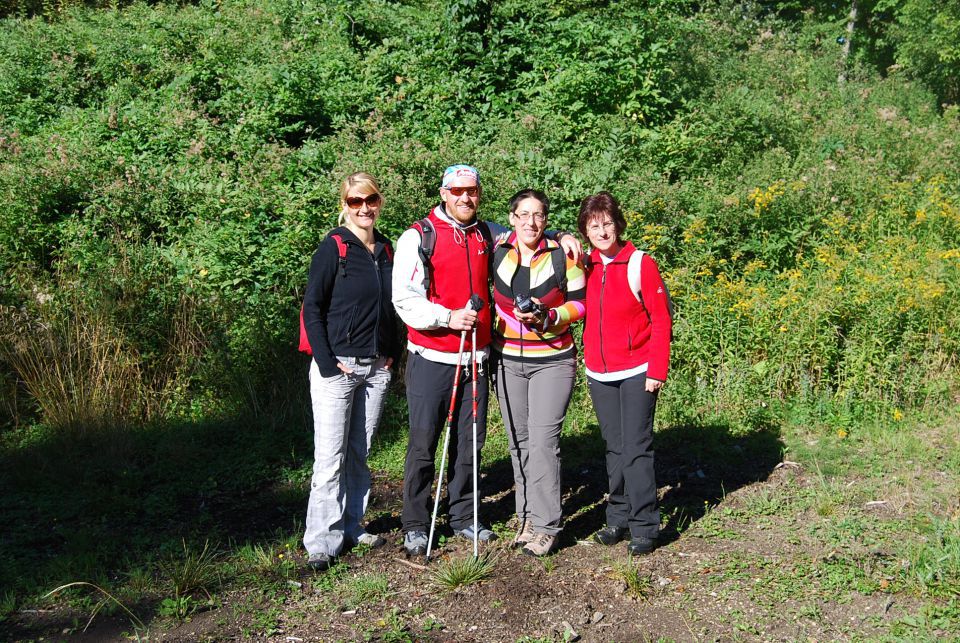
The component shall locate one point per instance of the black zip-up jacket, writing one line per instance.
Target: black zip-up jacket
(350, 313)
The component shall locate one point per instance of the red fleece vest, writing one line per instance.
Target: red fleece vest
(459, 267)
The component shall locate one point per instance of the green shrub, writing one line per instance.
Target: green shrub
(173, 168)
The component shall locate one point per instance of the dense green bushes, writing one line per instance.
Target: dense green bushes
(167, 171)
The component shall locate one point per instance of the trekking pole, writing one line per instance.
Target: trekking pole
(446, 442)
(476, 492)
(476, 304)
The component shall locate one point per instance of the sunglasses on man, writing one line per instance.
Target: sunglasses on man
(473, 190)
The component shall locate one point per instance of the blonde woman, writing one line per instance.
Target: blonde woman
(350, 325)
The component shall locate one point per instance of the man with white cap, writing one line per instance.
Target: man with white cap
(436, 311)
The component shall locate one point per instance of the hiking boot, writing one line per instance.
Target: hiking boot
(415, 542)
(484, 535)
(524, 535)
(370, 540)
(540, 545)
(610, 535)
(320, 562)
(640, 545)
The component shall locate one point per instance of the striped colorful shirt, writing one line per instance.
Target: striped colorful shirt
(515, 340)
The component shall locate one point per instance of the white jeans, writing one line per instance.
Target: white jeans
(346, 411)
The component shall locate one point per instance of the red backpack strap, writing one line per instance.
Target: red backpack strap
(304, 340)
(341, 253)
(304, 346)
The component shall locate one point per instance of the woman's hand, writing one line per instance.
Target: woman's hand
(531, 319)
(652, 385)
(345, 369)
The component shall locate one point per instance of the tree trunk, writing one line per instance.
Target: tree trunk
(845, 54)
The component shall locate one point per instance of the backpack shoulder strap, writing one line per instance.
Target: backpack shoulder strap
(428, 241)
(559, 260)
(639, 262)
(634, 263)
(488, 241)
(341, 253)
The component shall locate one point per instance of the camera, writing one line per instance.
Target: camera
(525, 304)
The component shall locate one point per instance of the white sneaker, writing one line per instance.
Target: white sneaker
(371, 540)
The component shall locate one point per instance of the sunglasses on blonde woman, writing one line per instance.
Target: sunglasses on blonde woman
(355, 202)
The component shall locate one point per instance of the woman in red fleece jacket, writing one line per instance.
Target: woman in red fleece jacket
(626, 346)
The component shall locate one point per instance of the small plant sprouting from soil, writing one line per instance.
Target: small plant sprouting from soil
(8, 603)
(363, 590)
(396, 629)
(460, 572)
(636, 584)
(194, 571)
(548, 564)
(828, 495)
(266, 561)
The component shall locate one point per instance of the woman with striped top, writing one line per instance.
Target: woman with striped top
(535, 361)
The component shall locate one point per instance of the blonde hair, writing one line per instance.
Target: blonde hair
(361, 180)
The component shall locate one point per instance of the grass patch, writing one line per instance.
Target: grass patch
(636, 584)
(265, 561)
(364, 590)
(193, 572)
(454, 573)
(933, 562)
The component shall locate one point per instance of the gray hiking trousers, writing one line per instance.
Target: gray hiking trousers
(533, 402)
(346, 412)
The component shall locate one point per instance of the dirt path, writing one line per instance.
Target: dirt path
(754, 549)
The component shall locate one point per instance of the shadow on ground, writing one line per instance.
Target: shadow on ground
(102, 505)
(105, 505)
(696, 466)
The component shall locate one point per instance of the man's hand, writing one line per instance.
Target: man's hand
(652, 385)
(571, 246)
(345, 369)
(463, 319)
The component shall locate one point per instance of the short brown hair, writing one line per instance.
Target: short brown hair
(596, 206)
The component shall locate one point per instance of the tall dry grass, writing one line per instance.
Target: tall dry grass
(82, 371)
